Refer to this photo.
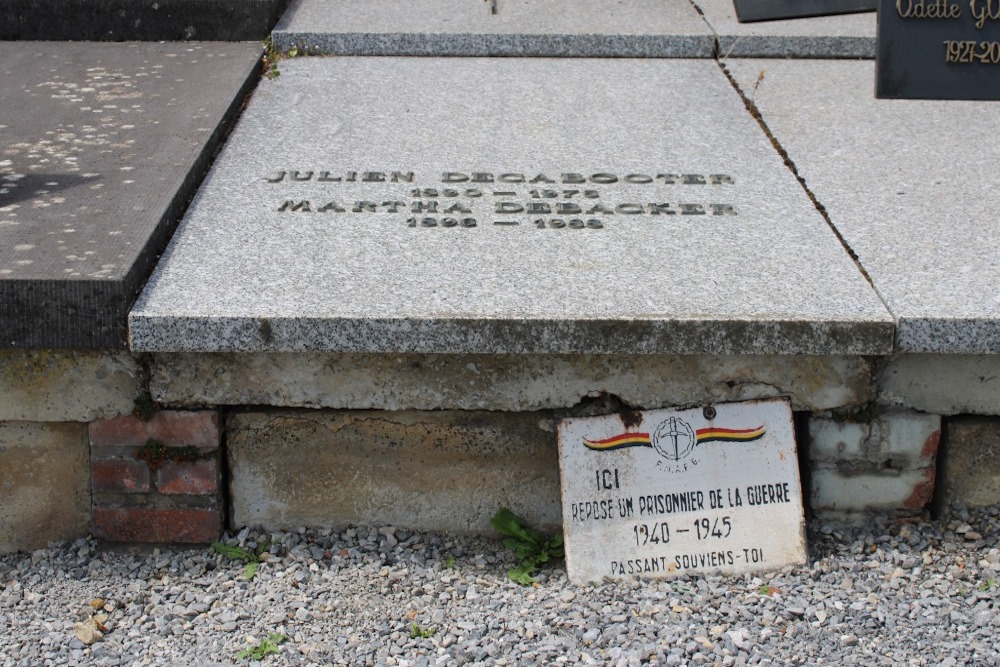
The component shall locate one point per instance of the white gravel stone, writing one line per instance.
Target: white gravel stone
(391, 597)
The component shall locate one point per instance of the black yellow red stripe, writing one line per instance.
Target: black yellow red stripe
(714, 434)
(619, 441)
(703, 435)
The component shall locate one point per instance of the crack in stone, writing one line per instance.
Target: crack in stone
(754, 112)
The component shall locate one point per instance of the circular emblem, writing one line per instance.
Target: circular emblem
(673, 439)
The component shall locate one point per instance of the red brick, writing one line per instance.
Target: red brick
(170, 427)
(196, 478)
(922, 493)
(196, 429)
(119, 476)
(143, 524)
(930, 447)
(124, 430)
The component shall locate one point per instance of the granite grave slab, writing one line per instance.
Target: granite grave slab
(514, 206)
(910, 184)
(841, 36)
(590, 28)
(101, 148)
(138, 20)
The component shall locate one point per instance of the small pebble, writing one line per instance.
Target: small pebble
(922, 593)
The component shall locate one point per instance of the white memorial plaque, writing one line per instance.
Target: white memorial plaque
(662, 492)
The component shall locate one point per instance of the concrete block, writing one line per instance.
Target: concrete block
(944, 384)
(970, 461)
(885, 464)
(66, 386)
(832, 440)
(44, 484)
(906, 492)
(423, 470)
(512, 383)
(895, 440)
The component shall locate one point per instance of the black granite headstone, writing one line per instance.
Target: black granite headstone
(138, 20)
(748, 11)
(101, 148)
(938, 49)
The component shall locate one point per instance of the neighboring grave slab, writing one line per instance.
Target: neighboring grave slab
(101, 147)
(592, 28)
(842, 36)
(911, 186)
(944, 50)
(515, 206)
(139, 20)
(667, 492)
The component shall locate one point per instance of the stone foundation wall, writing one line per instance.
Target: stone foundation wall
(44, 483)
(437, 441)
(47, 398)
(430, 470)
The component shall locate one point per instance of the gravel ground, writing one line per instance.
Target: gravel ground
(885, 594)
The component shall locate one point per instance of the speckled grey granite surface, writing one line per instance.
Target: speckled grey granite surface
(841, 36)
(592, 28)
(911, 184)
(243, 275)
